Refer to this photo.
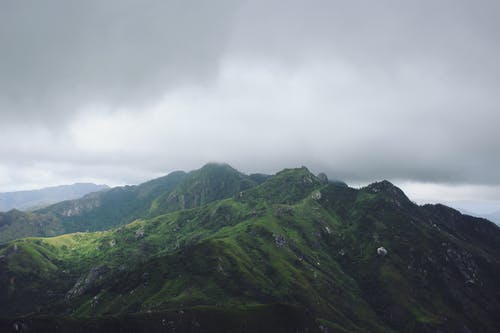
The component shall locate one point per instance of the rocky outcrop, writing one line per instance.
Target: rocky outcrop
(382, 251)
(465, 264)
(316, 195)
(87, 282)
(279, 240)
(78, 207)
(139, 233)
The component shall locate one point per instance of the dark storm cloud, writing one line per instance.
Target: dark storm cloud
(58, 56)
(363, 90)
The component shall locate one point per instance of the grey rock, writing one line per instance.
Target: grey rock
(139, 233)
(465, 263)
(87, 282)
(94, 302)
(316, 195)
(382, 251)
(279, 240)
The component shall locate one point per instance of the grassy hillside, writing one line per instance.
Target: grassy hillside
(211, 182)
(15, 224)
(121, 205)
(293, 240)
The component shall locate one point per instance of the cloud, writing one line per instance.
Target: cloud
(429, 192)
(362, 90)
(60, 56)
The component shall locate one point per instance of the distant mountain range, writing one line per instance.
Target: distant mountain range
(215, 250)
(32, 199)
(493, 216)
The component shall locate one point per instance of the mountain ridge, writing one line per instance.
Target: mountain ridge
(292, 239)
(32, 199)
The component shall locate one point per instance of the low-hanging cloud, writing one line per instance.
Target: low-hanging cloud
(363, 90)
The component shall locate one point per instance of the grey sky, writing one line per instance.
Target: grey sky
(122, 91)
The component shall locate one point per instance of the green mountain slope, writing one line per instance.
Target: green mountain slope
(95, 211)
(365, 260)
(212, 182)
(15, 224)
(121, 205)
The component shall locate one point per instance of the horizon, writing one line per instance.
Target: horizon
(480, 208)
(114, 93)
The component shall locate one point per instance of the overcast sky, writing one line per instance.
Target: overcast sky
(121, 91)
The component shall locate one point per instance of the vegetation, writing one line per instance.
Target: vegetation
(235, 248)
(121, 205)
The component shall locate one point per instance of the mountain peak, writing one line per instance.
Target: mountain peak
(286, 187)
(217, 165)
(301, 171)
(291, 239)
(213, 181)
(384, 186)
(385, 189)
(299, 176)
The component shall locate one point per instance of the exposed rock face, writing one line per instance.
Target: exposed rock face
(87, 282)
(316, 195)
(465, 263)
(308, 179)
(389, 188)
(277, 244)
(139, 233)
(79, 207)
(279, 240)
(95, 301)
(381, 251)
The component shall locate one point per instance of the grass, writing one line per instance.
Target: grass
(274, 243)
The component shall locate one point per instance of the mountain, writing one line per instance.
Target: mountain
(494, 217)
(290, 253)
(121, 205)
(212, 182)
(488, 210)
(23, 200)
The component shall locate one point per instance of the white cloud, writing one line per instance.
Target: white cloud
(434, 193)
